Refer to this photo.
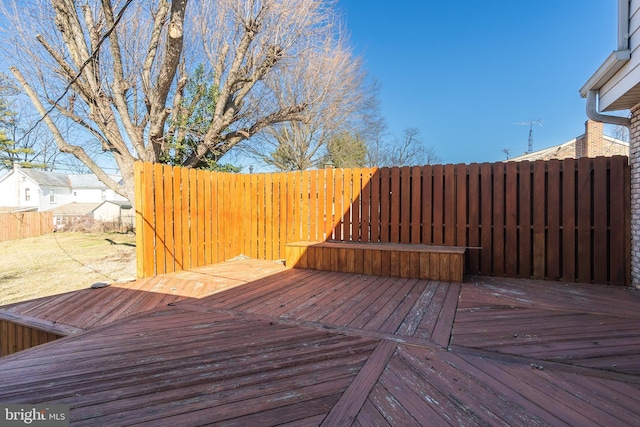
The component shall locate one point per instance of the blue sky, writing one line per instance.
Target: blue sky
(464, 72)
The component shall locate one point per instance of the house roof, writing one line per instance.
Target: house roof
(124, 204)
(11, 209)
(44, 178)
(55, 179)
(612, 146)
(89, 181)
(73, 209)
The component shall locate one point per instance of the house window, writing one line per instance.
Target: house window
(75, 193)
(27, 194)
(52, 195)
(104, 195)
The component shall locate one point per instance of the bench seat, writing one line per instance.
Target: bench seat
(415, 261)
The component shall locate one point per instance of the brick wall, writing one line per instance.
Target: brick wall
(634, 160)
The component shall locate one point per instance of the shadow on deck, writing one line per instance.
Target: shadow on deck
(250, 343)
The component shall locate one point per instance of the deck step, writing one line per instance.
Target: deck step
(380, 259)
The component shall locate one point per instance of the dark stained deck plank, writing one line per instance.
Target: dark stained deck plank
(407, 316)
(500, 318)
(369, 416)
(596, 299)
(382, 400)
(441, 332)
(394, 310)
(365, 300)
(347, 408)
(345, 306)
(323, 299)
(293, 296)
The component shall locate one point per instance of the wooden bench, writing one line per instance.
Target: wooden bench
(380, 259)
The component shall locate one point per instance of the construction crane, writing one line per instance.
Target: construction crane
(530, 123)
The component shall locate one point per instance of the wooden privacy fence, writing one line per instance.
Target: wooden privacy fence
(558, 220)
(20, 225)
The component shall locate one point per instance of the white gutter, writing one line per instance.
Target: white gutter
(606, 71)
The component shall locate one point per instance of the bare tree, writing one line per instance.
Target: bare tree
(405, 151)
(342, 100)
(117, 70)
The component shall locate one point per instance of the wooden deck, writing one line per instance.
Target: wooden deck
(250, 343)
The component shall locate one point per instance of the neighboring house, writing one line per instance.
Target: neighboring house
(114, 211)
(70, 213)
(592, 143)
(615, 86)
(66, 196)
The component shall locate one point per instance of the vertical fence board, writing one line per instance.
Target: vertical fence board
(600, 231)
(461, 205)
(269, 219)
(329, 204)
(405, 204)
(313, 206)
(539, 208)
(396, 203)
(511, 219)
(569, 251)
(140, 192)
(177, 219)
(437, 209)
(416, 202)
(385, 205)
(365, 195)
(193, 216)
(486, 200)
(449, 197)
(305, 214)
(169, 212)
(356, 205)
(338, 207)
(584, 219)
(553, 220)
(148, 213)
(524, 221)
(282, 213)
(376, 205)
(498, 219)
(200, 210)
(216, 206)
(427, 205)
(617, 216)
(261, 211)
(208, 235)
(473, 254)
(161, 247)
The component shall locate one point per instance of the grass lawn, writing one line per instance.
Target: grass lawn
(63, 262)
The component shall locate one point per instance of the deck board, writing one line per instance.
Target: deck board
(555, 323)
(251, 343)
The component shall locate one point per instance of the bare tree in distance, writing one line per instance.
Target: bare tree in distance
(117, 71)
(620, 132)
(343, 100)
(407, 150)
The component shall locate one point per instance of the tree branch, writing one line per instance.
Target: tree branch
(62, 144)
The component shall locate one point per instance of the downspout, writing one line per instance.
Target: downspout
(593, 114)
